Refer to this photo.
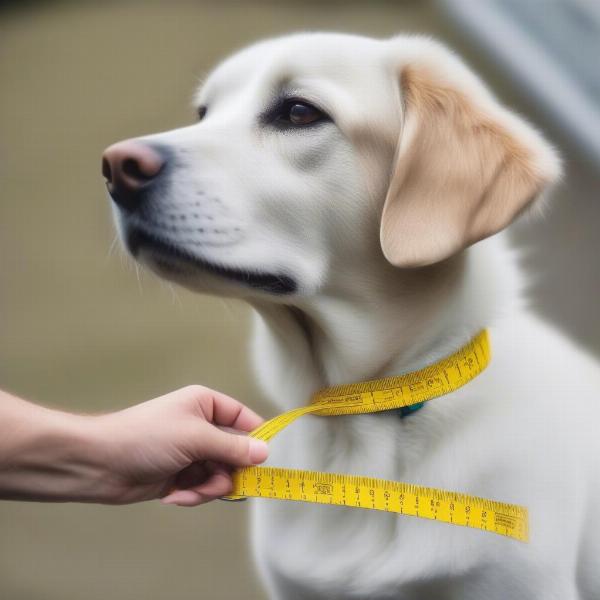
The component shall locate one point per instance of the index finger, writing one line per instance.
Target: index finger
(225, 411)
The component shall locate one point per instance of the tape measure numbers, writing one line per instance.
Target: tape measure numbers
(364, 492)
(380, 494)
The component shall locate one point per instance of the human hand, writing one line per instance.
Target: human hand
(180, 447)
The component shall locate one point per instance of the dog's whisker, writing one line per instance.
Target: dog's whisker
(139, 278)
(176, 299)
(111, 249)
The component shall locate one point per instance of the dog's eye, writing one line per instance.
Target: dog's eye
(299, 114)
(303, 114)
(201, 112)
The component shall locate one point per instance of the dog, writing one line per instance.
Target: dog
(354, 192)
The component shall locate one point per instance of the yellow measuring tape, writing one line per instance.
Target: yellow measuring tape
(379, 494)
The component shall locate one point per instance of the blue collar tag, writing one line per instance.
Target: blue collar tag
(405, 411)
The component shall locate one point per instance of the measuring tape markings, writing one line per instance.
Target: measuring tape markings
(378, 494)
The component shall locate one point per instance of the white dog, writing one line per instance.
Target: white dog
(342, 186)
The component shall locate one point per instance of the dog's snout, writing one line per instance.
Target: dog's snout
(129, 167)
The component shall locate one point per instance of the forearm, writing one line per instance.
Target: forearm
(47, 454)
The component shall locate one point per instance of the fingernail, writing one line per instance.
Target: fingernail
(258, 451)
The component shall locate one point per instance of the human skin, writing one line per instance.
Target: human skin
(180, 447)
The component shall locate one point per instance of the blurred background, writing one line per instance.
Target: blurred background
(82, 330)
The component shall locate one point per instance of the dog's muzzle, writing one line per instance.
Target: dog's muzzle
(137, 178)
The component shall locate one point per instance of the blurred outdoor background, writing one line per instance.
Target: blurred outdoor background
(80, 329)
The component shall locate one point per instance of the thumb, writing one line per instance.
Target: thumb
(230, 448)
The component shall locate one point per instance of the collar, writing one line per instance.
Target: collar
(409, 391)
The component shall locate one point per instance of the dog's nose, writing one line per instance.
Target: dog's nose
(129, 167)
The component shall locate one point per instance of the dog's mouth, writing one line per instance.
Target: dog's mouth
(170, 258)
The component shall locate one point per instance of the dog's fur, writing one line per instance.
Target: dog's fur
(357, 240)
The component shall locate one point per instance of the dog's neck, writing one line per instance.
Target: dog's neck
(370, 331)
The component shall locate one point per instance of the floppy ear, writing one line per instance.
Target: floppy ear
(464, 168)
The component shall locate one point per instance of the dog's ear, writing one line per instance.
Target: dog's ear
(464, 167)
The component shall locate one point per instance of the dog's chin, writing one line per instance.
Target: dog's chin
(178, 264)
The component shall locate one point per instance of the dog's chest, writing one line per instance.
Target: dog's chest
(333, 552)
(477, 440)
(348, 549)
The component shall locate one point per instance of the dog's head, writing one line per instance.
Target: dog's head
(318, 156)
